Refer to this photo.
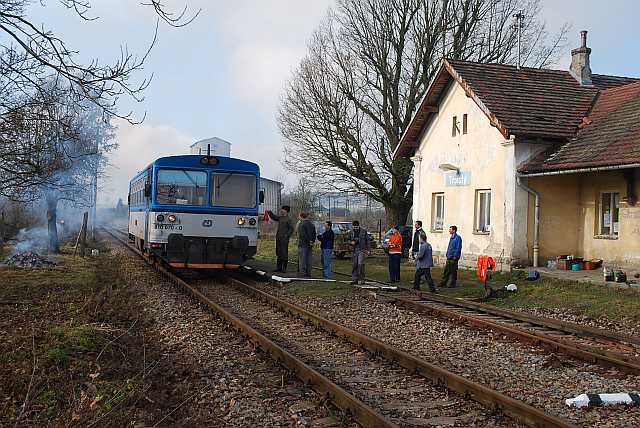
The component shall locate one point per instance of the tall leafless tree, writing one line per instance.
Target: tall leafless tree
(369, 63)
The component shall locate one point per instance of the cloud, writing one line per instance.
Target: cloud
(139, 145)
(266, 41)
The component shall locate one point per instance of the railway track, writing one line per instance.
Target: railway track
(593, 345)
(381, 387)
(589, 344)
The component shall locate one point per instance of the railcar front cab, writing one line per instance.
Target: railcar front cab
(202, 211)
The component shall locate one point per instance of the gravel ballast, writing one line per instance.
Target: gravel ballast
(229, 382)
(527, 373)
(401, 396)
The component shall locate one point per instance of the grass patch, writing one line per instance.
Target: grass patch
(579, 298)
(319, 289)
(68, 315)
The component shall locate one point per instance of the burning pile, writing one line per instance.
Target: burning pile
(28, 259)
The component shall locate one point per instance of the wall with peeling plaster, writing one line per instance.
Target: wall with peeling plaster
(570, 217)
(482, 153)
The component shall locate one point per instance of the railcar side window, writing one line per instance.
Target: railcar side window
(181, 187)
(234, 190)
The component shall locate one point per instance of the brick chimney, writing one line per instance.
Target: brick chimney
(580, 69)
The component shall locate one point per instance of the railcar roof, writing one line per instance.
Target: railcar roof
(193, 161)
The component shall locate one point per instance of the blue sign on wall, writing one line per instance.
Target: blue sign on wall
(462, 178)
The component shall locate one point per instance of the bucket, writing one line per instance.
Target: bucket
(576, 266)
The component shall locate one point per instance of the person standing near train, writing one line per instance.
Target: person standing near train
(326, 247)
(454, 250)
(394, 243)
(417, 234)
(283, 235)
(424, 263)
(306, 239)
(359, 242)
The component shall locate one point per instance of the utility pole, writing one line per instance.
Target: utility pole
(519, 21)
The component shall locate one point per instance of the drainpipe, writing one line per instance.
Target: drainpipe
(536, 220)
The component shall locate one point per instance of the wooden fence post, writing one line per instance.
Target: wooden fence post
(83, 235)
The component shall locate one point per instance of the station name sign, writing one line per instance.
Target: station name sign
(462, 178)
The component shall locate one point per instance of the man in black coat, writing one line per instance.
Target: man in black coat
(416, 237)
(306, 239)
(285, 230)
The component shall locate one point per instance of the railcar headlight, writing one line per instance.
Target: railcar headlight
(160, 217)
(172, 218)
(252, 221)
(241, 221)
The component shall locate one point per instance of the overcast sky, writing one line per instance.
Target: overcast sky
(223, 74)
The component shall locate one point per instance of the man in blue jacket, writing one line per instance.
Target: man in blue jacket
(450, 274)
(326, 247)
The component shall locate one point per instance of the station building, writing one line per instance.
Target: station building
(490, 142)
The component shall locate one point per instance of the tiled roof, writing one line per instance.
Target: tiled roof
(529, 103)
(609, 135)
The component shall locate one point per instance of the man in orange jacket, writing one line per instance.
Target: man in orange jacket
(394, 241)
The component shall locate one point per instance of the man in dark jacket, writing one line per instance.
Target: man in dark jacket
(358, 240)
(424, 263)
(419, 232)
(306, 238)
(283, 234)
(326, 248)
(454, 250)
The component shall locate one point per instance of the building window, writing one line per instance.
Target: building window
(464, 124)
(454, 126)
(437, 212)
(609, 213)
(483, 211)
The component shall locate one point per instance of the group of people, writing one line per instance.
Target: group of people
(358, 241)
(307, 235)
(422, 253)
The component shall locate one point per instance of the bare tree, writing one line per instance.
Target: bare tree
(34, 54)
(369, 64)
(303, 198)
(45, 91)
(52, 153)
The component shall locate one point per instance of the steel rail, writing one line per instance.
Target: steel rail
(570, 327)
(360, 411)
(569, 347)
(490, 398)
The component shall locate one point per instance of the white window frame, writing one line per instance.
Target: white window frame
(482, 215)
(601, 220)
(434, 212)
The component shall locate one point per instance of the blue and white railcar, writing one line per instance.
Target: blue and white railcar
(196, 211)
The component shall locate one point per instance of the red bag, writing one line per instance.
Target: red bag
(266, 217)
(485, 265)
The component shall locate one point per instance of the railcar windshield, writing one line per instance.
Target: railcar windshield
(234, 190)
(181, 187)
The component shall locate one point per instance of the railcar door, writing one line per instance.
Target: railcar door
(147, 201)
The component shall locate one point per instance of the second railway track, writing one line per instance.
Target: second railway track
(593, 345)
(585, 343)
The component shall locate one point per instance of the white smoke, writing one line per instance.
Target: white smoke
(32, 239)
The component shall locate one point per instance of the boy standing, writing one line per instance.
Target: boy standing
(424, 263)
